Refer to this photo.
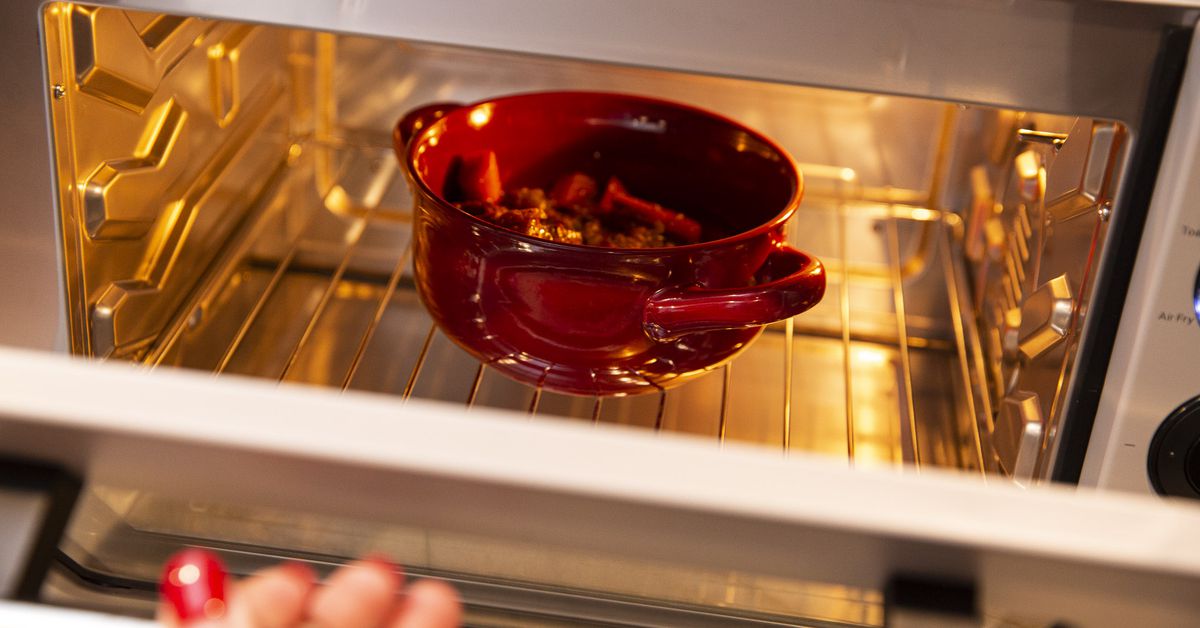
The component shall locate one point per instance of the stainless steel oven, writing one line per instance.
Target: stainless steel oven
(1002, 195)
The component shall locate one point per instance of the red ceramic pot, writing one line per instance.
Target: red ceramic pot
(598, 321)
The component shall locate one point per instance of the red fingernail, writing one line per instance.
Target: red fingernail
(193, 581)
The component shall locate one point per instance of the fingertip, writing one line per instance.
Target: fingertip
(165, 615)
(273, 597)
(434, 588)
(360, 594)
(377, 567)
(431, 604)
(383, 563)
(298, 571)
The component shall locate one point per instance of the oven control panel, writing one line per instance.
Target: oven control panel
(1173, 461)
(1147, 432)
(1146, 435)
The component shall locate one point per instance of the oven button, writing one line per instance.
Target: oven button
(1174, 461)
(1196, 296)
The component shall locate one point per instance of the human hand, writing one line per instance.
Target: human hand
(366, 593)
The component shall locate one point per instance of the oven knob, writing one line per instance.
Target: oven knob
(1174, 462)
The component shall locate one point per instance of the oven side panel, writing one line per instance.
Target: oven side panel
(1153, 366)
(32, 306)
(166, 130)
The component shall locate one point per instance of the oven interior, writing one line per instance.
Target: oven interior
(230, 202)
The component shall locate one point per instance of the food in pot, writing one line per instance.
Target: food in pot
(573, 212)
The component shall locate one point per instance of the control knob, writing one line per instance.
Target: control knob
(1174, 460)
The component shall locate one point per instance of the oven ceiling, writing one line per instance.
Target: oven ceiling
(1061, 57)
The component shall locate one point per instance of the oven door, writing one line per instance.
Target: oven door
(545, 521)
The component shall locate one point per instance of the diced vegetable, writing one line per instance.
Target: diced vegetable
(570, 213)
(617, 198)
(574, 189)
(612, 193)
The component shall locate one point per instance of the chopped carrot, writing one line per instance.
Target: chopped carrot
(616, 197)
(608, 202)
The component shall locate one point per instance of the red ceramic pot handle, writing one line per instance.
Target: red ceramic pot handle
(419, 119)
(792, 283)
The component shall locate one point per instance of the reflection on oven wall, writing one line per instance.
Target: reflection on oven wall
(231, 203)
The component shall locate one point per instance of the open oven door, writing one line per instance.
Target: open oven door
(544, 522)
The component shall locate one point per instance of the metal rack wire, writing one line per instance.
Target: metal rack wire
(348, 301)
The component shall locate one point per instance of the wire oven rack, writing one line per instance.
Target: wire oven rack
(887, 369)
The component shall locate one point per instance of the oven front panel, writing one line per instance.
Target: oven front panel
(260, 461)
(34, 304)
(913, 384)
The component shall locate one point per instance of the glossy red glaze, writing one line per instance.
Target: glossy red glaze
(590, 320)
(193, 583)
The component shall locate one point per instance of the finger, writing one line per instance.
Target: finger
(166, 616)
(359, 595)
(430, 604)
(272, 598)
